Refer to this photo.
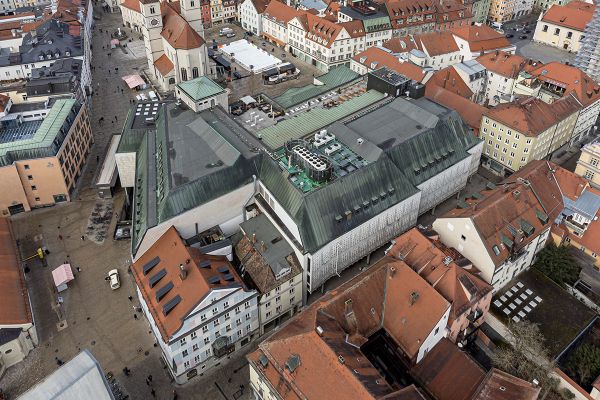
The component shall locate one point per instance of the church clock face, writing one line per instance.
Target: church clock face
(154, 22)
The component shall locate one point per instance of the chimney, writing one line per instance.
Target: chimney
(414, 296)
(319, 331)
(253, 238)
(263, 247)
(516, 194)
(182, 272)
(348, 307)
(392, 272)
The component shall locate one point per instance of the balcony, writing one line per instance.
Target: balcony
(576, 227)
(222, 346)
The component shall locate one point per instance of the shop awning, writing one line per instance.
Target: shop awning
(247, 100)
(62, 275)
(133, 81)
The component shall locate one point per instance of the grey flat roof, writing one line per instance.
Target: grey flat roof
(357, 15)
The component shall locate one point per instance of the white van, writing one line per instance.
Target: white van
(496, 25)
(225, 31)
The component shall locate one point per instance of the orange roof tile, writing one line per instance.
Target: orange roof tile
(571, 184)
(14, 299)
(4, 99)
(354, 28)
(469, 111)
(163, 65)
(260, 5)
(503, 63)
(481, 37)
(437, 43)
(449, 79)
(132, 5)
(448, 373)
(281, 12)
(380, 297)
(498, 385)
(532, 116)
(402, 44)
(513, 206)
(172, 252)
(176, 30)
(575, 15)
(572, 79)
(453, 11)
(381, 58)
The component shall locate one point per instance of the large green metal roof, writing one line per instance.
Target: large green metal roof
(200, 88)
(375, 24)
(303, 124)
(335, 78)
(46, 133)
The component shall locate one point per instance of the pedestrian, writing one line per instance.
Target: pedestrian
(130, 298)
(149, 378)
(82, 237)
(126, 371)
(78, 269)
(174, 394)
(153, 393)
(147, 382)
(135, 316)
(60, 237)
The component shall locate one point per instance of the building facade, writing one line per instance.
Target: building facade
(251, 15)
(588, 165)
(196, 305)
(563, 26)
(588, 57)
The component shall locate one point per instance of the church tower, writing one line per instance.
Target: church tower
(151, 30)
(190, 10)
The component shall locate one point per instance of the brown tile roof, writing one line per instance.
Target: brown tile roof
(176, 30)
(354, 28)
(402, 44)
(163, 65)
(132, 5)
(378, 298)
(521, 202)
(532, 116)
(408, 393)
(402, 9)
(172, 252)
(440, 271)
(454, 10)
(591, 237)
(14, 299)
(437, 43)
(503, 63)
(498, 385)
(572, 79)
(281, 12)
(260, 5)
(469, 111)
(481, 37)
(4, 99)
(449, 79)
(447, 373)
(385, 59)
(575, 15)
(571, 184)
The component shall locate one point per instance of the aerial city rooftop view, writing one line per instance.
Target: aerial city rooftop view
(299, 200)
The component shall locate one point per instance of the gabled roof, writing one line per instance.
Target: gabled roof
(571, 78)
(132, 5)
(437, 43)
(402, 44)
(503, 63)
(375, 58)
(200, 88)
(301, 363)
(511, 215)
(14, 298)
(575, 15)
(176, 30)
(281, 12)
(260, 5)
(469, 111)
(354, 28)
(481, 37)
(163, 65)
(3, 102)
(532, 116)
(170, 298)
(449, 79)
(498, 385)
(447, 373)
(453, 10)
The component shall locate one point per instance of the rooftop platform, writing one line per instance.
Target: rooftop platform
(14, 131)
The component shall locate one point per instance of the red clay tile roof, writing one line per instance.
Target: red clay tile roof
(454, 10)
(172, 252)
(176, 30)
(385, 59)
(402, 9)
(4, 99)
(14, 299)
(402, 44)
(260, 5)
(132, 5)
(575, 15)
(503, 63)
(437, 43)
(449, 79)
(354, 28)
(447, 373)
(532, 116)
(281, 12)
(519, 202)
(481, 37)
(571, 184)
(440, 271)
(572, 79)
(498, 385)
(469, 111)
(379, 298)
(163, 65)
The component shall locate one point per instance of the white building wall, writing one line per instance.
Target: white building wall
(585, 121)
(497, 87)
(437, 334)
(16, 350)
(22, 71)
(280, 300)
(126, 168)
(249, 17)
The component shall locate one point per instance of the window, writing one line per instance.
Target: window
(247, 328)
(186, 364)
(184, 353)
(237, 310)
(238, 321)
(292, 290)
(30, 177)
(268, 314)
(226, 316)
(247, 316)
(194, 335)
(528, 141)
(183, 74)
(556, 31)
(215, 310)
(152, 10)
(225, 304)
(247, 304)
(203, 317)
(37, 199)
(206, 340)
(195, 347)
(463, 237)
(195, 72)
(278, 309)
(217, 334)
(204, 329)
(216, 323)
(589, 175)
(182, 342)
(239, 333)
(569, 35)
(228, 328)
(436, 331)
(594, 162)
(268, 304)
(26, 166)
(277, 299)
(207, 352)
(545, 28)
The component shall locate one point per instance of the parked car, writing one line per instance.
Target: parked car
(527, 30)
(510, 36)
(237, 75)
(230, 34)
(523, 37)
(114, 279)
(123, 232)
(225, 31)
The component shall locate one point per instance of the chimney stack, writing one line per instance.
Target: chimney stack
(253, 238)
(263, 247)
(182, 272)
